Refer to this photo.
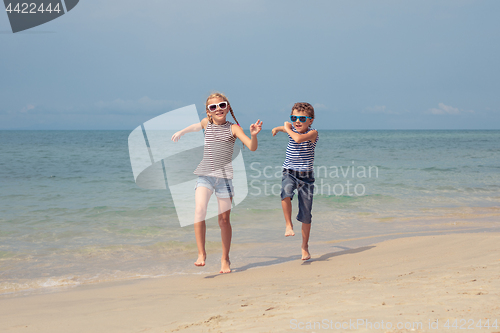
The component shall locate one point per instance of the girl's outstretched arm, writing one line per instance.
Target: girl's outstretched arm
(192, 128)
(254, 130)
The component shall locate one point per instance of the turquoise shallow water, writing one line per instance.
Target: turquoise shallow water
(71, 213)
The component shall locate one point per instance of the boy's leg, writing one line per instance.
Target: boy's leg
(306, 230)
(286, 204)
(202, 196)
(305, 198)
(226, 232)
(288, 185)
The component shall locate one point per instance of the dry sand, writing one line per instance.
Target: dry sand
(404, 281)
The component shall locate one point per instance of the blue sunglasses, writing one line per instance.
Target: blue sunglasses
(302, 119)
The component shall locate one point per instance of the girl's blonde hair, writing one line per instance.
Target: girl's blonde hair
(220, 95)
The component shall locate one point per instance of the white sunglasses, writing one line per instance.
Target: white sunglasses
(213, 107)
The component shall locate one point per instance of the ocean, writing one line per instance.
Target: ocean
(72, 214)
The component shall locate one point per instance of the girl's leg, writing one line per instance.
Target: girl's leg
(286, 204)
(202, 196)
(226, 232)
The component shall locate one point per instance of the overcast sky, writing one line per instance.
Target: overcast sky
(115, 64)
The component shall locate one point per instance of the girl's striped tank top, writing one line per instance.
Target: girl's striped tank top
(218, 151)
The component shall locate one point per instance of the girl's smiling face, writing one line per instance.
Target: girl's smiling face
(301, 127)
(219, 116)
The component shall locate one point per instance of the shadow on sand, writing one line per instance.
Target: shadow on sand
(279, 260)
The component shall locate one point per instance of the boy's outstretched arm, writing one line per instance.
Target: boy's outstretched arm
(192, 128)
(278, 129)
(254, 130)
(297, 137)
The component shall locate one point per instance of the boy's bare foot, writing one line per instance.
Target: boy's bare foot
(201, 260)
(289, 231)
(305, 254)
(225, 266)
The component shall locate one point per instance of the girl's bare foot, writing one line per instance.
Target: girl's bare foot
(201, 260)
(289, 230)
(305, 254)
(225, 266)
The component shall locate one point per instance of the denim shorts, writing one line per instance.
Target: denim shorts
(222, 187)
(303, 182)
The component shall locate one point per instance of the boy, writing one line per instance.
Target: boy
(298, 170)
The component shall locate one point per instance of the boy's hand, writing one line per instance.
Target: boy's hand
(255, 128)
(287, 126)
(177, 136)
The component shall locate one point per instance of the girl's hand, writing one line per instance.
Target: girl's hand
(177, 136)
(255, 128)
(275, 130)
(287, 125)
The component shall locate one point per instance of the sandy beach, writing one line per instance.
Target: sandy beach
(419, 284)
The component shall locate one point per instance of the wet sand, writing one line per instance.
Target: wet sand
(417, 282)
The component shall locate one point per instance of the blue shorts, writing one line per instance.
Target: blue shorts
(222, 187)
(303, 181)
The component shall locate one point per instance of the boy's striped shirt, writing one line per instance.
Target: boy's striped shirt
(300, 156)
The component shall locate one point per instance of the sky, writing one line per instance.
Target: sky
(115, 64)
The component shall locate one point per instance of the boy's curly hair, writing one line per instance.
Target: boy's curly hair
(304, 107)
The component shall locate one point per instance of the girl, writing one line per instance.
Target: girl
(215, 171)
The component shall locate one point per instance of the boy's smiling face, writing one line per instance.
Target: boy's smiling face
(301, 127)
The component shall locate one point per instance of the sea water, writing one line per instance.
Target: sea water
(72, 214)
